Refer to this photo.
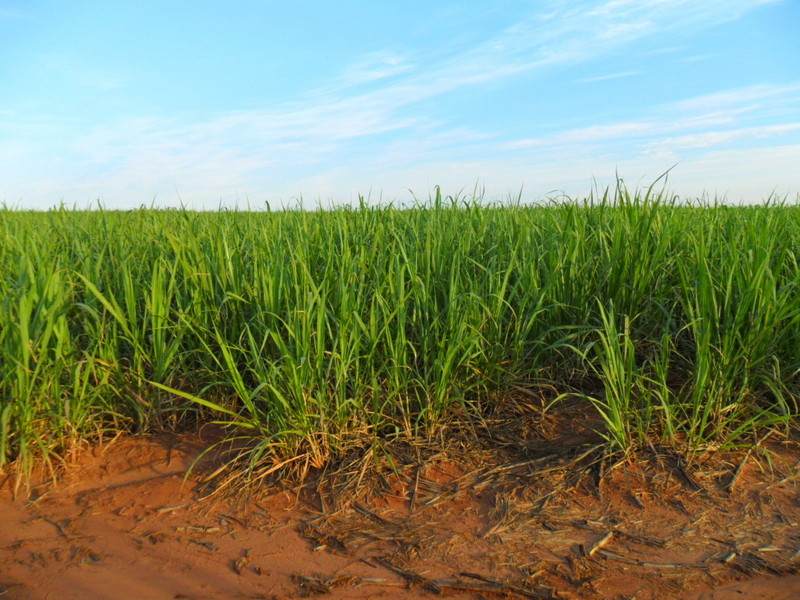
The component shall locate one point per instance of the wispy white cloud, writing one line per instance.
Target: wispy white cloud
(373, 67)
(713, 120)
(707, 139)
(620, 75)
(695, 58)
(741, 100)
(555, 34)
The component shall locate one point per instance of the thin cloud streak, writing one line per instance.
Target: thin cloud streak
(610, 76)
(740, 96)
(694, 116)
(718, 138)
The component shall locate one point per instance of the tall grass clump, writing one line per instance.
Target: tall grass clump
(305, 332)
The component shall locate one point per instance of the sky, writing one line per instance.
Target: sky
(245, 103)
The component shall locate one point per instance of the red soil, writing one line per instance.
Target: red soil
(123, 523)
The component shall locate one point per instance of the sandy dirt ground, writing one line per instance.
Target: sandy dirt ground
(122, 522)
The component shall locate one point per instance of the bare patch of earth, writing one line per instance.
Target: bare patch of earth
(123, 522)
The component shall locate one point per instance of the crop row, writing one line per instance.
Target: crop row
(304, 330)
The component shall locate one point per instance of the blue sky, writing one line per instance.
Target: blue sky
(254, 101)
